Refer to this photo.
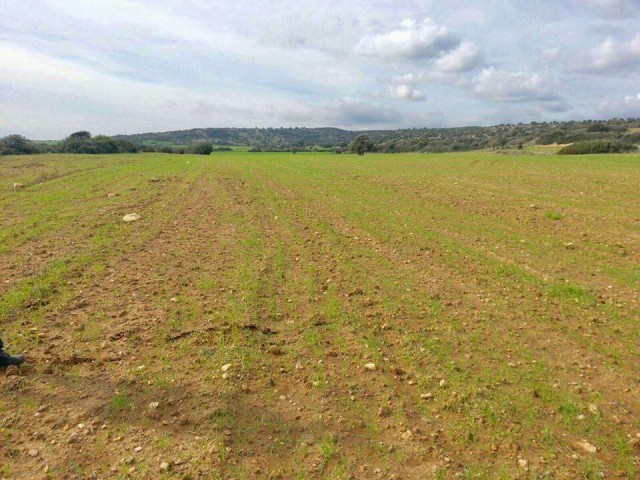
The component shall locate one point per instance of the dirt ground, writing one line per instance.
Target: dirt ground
(275, 316)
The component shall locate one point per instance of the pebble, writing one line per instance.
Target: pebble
(370, 366)
(426, 396)
(131, 217)
(164, 466)
(226, 367)
(33, 452)
(154, 405)
(408, 435)
(588, 447)
(522, 463)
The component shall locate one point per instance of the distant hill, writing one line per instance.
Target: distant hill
(276, 138)
(403, 140)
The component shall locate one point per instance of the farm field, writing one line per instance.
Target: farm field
(316, 316)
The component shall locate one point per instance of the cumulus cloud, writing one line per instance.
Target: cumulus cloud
(503, 86)
(464, 58)
(407, 92)
(411, 41)
(610, 55)
(628, 107)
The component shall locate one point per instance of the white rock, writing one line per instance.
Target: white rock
(522, 463)
(226, 367)
(33, 452)
(426, 396)
(442, 382)
(131, 217)
(370, 366)
(154, 405)
(18, 186)
(164, 466)
(586, 446)
(408, 435)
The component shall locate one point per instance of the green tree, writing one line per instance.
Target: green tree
(361, 144)
(17, 145)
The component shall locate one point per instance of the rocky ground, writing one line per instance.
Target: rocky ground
(320, 316)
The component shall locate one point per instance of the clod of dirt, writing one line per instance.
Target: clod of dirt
(74, 438)
(356, 291)
(12, 371)
(588, 447)
(33, 452)
(131, 217)
(274, 350)
(370, 366)
(384, 411)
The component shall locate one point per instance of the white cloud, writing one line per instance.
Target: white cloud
(628, 107)
(610, 55)
(464, 58)
(407, 92)
(412, 41)
(502, 86)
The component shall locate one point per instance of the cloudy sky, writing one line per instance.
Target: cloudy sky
(117, 66)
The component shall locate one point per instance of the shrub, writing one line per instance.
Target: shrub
(201, 148)
(597, 146)
(17, 145)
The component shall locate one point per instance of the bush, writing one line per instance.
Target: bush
(201, 148)
(597, 146)
(17, 145)
(82, 142)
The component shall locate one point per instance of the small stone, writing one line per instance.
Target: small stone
(442, 382)
(522, 463)
(137, 449)
(426, 396)
(299, 366)
(173, 300)
(408, 435)
(131, 217)
(12, 371)
(226, 367)
(370, 366)
(33, 452)
(593, 409)
(587, 447)
(164, 467)
(154, 405)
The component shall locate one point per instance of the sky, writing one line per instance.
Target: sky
(120, 67)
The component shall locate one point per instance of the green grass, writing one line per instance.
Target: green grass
(511, 278)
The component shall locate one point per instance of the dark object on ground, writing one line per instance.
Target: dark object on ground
(6, 359)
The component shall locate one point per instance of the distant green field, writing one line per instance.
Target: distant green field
(472, 315)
